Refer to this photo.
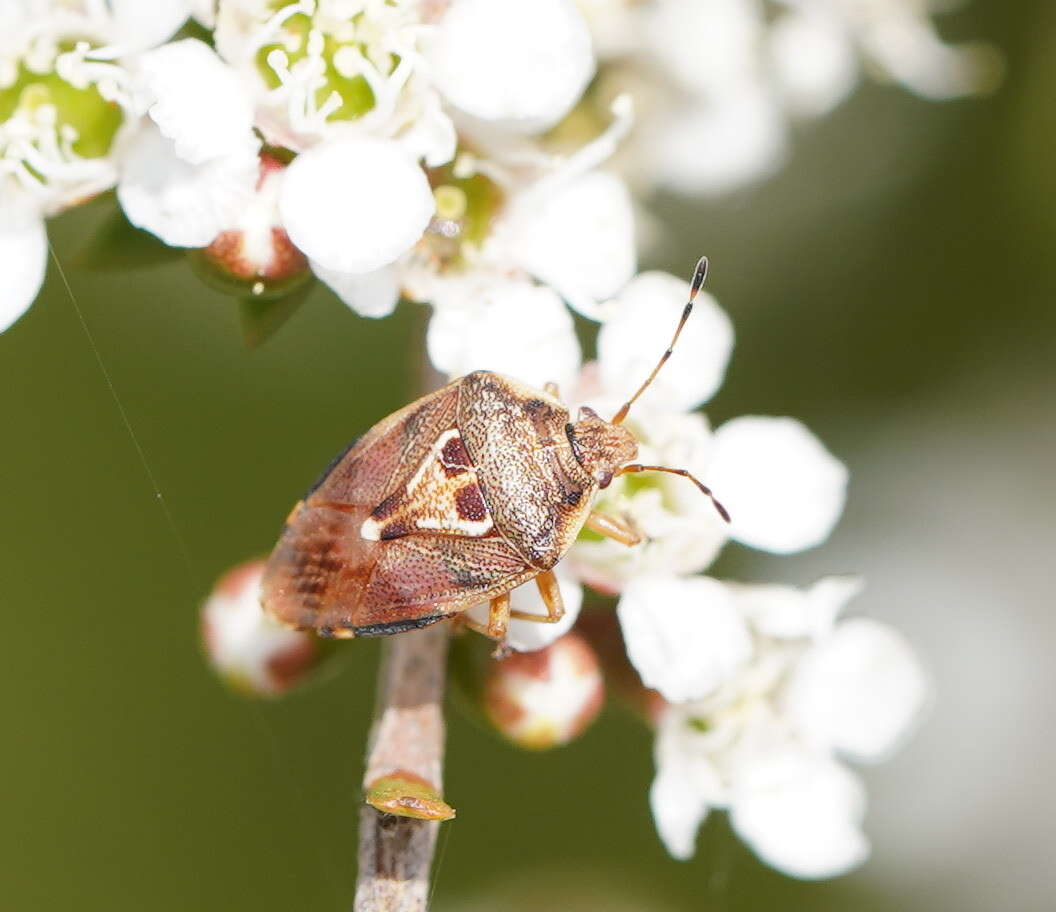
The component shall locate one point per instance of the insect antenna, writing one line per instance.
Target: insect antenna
(636, 467)
(699, 275)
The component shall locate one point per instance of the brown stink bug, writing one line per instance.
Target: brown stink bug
(452, 501)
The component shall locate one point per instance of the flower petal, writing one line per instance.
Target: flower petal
(183, 204)
(369, 294)
(24, 253)
(858, 691)
(142, 25)
(578, 240)
(783, 489)
(814, 60)
(684, 636)
(520, 329)
(527, 636)
(678, 811)
(707, 47)
(718, 146)
(355, 205)
(786, 612)
(524, 64)
(802, 816)
(638, 330)
(197, 101)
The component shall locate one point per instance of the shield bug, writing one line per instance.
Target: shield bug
(452, 501)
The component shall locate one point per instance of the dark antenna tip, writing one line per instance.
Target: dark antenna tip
(699, 275)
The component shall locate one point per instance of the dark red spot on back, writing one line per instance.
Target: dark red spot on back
(454, 457)
(470, 504)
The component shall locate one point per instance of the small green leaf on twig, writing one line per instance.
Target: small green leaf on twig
(408, 795)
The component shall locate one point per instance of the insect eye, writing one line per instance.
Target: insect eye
(605, 480)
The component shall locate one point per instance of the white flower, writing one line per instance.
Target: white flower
(329, 69)
(724, 78)
(685, 637)
(881, 689)
(67, 96)
(250, 649)
(510, 218)
(783, 489)
(521, 65)
(763, 742)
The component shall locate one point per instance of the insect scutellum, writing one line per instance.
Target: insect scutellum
(606, 448)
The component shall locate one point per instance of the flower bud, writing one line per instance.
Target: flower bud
(255, 258)
(248, 648)
(545, 698)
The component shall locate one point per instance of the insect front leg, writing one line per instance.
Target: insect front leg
(614, 527)
(551, 595)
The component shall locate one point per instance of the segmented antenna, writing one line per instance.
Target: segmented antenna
(638, 467)
(699, 275)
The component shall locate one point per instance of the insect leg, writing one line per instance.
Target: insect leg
(614, 527)
(499, 616)
(551, 593)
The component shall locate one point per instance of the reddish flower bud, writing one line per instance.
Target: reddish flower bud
(545, 698)
(249, 649)
(256, 258)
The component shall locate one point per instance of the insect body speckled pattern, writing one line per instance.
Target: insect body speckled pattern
(450, 502)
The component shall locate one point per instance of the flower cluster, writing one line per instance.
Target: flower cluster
(724, 82)
(466, 154)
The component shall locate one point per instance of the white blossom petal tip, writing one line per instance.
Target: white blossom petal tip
(520, 329)
(678, 812)
(637, 330)
(783, 489)
(522, 64)
(24, 255)
(140, 25)
(355, 205)
(370, 294)
(685, 637)
(802, 815)
(859, 690)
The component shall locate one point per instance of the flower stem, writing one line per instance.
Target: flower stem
(406, 741)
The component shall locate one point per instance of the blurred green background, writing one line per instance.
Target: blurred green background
(894, 287)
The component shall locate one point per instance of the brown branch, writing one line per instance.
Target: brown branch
(403, 773)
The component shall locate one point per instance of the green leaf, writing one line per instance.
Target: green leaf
(116, 245)
(261, 318)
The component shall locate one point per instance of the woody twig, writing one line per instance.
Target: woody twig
(398, 824)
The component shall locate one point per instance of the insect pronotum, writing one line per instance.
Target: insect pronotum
(452, 501)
